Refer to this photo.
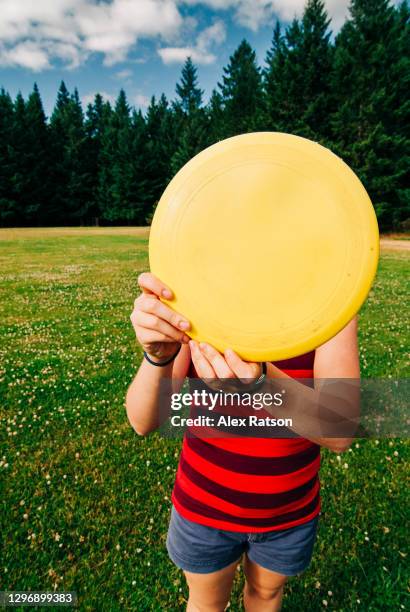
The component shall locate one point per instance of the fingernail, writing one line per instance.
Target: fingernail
(184, 325)
(167, 293)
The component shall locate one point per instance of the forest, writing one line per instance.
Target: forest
(109, 164)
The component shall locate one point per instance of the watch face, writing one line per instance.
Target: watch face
(260, 379)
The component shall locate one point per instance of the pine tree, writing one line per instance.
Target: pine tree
(19, 159)
(116, 132)
(370, 72)
(188, 91)
(57, 207)
(69, 204)
(139, 193)
(123, 189)
(97, 119)
(193, 139)
(161, 143)
(215, 113)
(189, 117)
(297, 75)
(318, 60)
(76, 150)
(8, 204)
(275, 85)
(242, 93)
(37, 189)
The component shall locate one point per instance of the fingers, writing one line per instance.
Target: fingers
(243, 370)
(151, 305)
(201, 363)
(217, 361)
(151, 284)
(153, 322)
(149, 336)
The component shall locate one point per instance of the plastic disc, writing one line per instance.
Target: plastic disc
(269, 242)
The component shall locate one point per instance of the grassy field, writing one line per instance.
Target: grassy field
(85, 501)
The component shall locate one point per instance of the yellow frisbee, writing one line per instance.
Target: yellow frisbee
(269, 242)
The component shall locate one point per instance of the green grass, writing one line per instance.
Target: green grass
(85, 501)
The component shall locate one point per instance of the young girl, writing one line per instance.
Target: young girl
(257, 499)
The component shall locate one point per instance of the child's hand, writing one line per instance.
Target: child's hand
(211, 365)
(159, 330)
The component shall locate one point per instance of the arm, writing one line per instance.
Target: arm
(338, 358)
(159, 331)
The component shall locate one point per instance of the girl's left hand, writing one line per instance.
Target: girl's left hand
(212, 366)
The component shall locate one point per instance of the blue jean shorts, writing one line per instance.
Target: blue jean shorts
(200, 549)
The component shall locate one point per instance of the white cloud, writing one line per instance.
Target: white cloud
(255, 13)
(215, 34)
(123, 74)
(173, 55)
(201, 52)
(138, 99)
(35, 33)
(141, 100)
(89, 98)
(26, 54)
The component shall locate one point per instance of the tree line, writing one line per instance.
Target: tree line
(110, 163)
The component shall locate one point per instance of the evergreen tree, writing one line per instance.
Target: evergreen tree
(37, 189)
(139, 193)
(188, 91)
(123, 189)
(189, 117)
(297, 75)
(97, 119)
(318, 59)
(241, 91)
(9, 212)
(161, 143)
(215, 113)
(369, 80)
(70, 201)
(117, 130)
(19, 162)
(275, 85)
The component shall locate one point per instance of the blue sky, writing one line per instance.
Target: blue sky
(140, 45)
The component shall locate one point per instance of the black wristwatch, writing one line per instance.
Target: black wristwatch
(161, 364)
(259, 382)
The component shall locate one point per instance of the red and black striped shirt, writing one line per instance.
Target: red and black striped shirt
(250, 484)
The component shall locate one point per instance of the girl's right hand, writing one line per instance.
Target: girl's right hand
(159, 329)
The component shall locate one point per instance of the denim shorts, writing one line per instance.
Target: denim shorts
(200, 549)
